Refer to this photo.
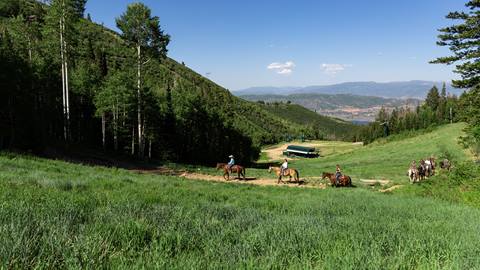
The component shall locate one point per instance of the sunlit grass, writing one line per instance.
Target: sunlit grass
(59, 215)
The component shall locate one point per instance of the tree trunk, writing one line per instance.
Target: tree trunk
(133, 141)
(103, 130)
(139, 104)
(150, 149)
(63, 81)
(115, 127)
(67, 101)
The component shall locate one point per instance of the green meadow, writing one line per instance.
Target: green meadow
(59, 215)
(381, 160)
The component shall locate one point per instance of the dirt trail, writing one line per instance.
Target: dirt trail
(218, 178)
(253, 181)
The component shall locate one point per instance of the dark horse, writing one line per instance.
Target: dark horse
(240, 170)
(345, 180)
(422, 171)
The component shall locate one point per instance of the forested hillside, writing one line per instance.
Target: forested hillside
(318, 126)
(66, 80)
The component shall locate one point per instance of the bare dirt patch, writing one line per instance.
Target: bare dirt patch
(217, 178)
(390, 189)
(251, 180)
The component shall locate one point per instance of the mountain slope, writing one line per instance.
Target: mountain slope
(175, 115)
(323, 127)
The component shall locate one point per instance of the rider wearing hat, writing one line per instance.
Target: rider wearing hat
(230, 163)
(338, 174)
(284, 167)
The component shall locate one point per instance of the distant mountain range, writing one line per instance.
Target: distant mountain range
(409, 89)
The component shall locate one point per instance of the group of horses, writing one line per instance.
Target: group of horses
(425, 169)
(344, 180)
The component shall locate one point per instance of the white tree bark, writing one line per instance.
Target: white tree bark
(62, 56)
(139, 105)
(67, 100)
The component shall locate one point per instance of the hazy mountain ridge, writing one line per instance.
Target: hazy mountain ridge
(408, 89)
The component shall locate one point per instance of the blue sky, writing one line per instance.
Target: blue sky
(245, 43)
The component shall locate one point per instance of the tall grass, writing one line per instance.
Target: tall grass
(59, 215)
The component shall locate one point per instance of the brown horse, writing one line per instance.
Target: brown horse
(240, 170)
(345, 180)
(288, 172)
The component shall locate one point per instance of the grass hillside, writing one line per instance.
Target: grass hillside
(386, 159)
(59, 215)
(328, 126)
(390, 159)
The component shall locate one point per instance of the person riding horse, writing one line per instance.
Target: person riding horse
(284, 167)
(230, 163)
(338, 174)
(413, 165)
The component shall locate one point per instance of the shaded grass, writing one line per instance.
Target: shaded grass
(59, 215)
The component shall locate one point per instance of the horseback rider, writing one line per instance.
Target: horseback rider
(413, 165)
(338, 174)
(230, 163)
(284, 167)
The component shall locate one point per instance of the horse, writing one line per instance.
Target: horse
(429, 167)
(421, 170)
(445, 164)
(345, 180)
(240, 170)
(413, 174)
(287, 172)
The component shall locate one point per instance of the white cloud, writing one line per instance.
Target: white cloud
(282, 68)
(333, 69)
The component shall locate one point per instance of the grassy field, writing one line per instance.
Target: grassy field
(380, 160)
(59, 215)
(390, 160)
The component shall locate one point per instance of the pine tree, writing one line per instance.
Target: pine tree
(143, 32)
(463, 40)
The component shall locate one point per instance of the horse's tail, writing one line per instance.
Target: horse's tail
(298, 175)
(244, 172)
